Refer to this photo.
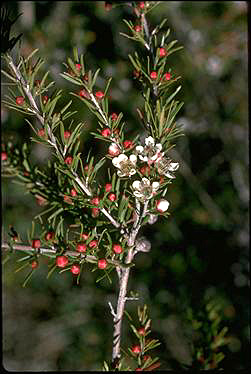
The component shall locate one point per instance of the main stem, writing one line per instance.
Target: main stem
(123, 284)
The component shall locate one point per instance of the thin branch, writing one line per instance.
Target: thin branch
(48, 251)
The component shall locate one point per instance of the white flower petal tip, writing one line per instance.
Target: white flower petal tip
(162, 205)
(133, 159)
(136, 185)
(149, 140)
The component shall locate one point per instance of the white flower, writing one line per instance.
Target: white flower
(125, 165)
(143, 189)
(165, 166)
(162, 205)
(151, 152)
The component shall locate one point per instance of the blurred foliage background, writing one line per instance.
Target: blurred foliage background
(201, 252)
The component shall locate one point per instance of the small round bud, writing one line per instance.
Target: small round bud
(162, 205)
(112, 197)
(128, 144)
(99, 95)
(108, 187)
(114, 116)
(75, 269)
(81, 247)
(34, 264)
(95, 201)
(45, 98)
(68, 160)
(106, 132)
(95, 212)
(137, 28)
(167, 76)
(136, 349)
(84, 93)
(153, 75)
(113, 150)
(73, 192)
(50, 235)
(4, 156)
(117, 248)
(93, 244)
(62, 261)
(20, 100)
(36, 243)
(141, 331)
(41, 133)
(78, 67)
(67, 134)
(162, 52)
(102, 263)
(84, 236)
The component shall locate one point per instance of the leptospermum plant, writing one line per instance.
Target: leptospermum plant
(104, 220)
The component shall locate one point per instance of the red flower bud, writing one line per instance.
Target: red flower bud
(162, 52)
(117, 248)
(93, 244)
(50, 235)
(141, 331)
(4, 156)
(84, 236)
(167, 76)
(81, 247)
(41, 132)
(75, 269)
(62, 261)
(95, 212)
(112, 197)
(106, 132)
(114, 116)
(95, 201)
(108, 187)
(128, 144)
(73, 192)
(153, 75)
(45, 98)
(84, 93)
(20, 100)
(136, 349)
(67, 199)
(99, 95)
(113, 150)
(102, 263)
(137, 28)
(34, 264)
(67, 134)
(68, 160)
(36, 243)
(78, 67)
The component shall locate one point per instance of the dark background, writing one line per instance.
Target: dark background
(201, 251)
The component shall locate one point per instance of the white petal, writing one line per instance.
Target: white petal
(115, 161)
(169, 175)
(158, 146)
(138, 194)
(173, 166)
(133, 159)
(139, 148)
(155, 185)
(149, 141)
(146, 181)
(132, 171)
(120, 174)
(136, 185)
(122, 157)
(162, 205)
